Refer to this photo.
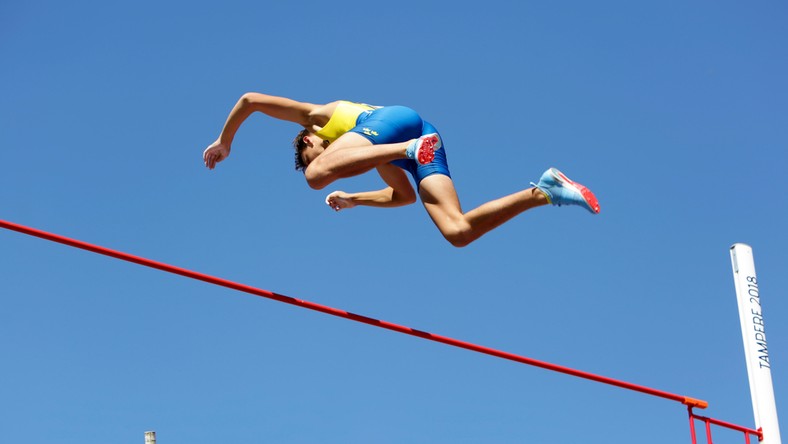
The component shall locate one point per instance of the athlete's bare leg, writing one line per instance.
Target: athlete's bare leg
(350, 155)
(460, 229)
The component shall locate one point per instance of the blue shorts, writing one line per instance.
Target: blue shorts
(393, 124)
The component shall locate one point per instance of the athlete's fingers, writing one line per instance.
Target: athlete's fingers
(331, 202)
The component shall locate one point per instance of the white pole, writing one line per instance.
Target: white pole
(150, 437)
(755, 350)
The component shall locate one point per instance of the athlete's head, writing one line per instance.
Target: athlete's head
(307, 147)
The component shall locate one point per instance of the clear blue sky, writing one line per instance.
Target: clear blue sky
(674, 113)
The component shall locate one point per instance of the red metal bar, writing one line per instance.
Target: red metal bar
(691, 402)
(708, 432)
(728, 425)
(711, 421)
(692, 427)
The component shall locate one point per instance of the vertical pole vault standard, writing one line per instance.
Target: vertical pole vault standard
(755, 350)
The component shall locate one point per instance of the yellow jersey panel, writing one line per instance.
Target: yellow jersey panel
(343, 119)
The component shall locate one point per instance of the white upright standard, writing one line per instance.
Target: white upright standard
(150, 437)
(755, 350)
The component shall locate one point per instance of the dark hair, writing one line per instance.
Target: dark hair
(299, 145)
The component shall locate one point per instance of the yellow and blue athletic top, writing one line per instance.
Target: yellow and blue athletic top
(343, 119)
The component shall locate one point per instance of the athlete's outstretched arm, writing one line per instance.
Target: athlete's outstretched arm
(398, 193)
(277, 107)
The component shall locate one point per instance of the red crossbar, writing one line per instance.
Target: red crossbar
(691, 402)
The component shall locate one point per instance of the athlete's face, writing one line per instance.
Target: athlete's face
(314, 147)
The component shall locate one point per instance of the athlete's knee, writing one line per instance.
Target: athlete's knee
(458, 233)
(317, 177)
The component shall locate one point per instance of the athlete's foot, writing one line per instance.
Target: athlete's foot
(422, 150)
(560, 190)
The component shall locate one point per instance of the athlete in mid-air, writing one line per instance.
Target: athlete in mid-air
(342, 139)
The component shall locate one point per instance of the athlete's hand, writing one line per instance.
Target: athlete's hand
(339, 200)
(215, 153)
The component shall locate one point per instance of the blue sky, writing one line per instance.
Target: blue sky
(674, 113)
